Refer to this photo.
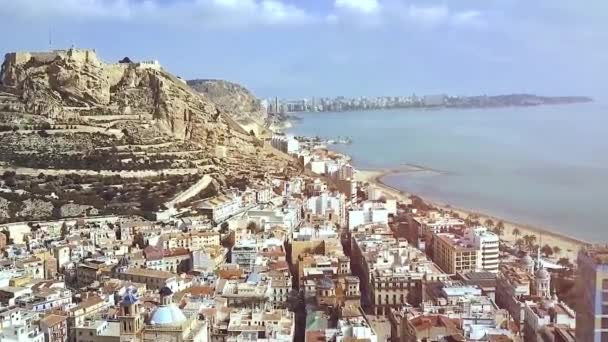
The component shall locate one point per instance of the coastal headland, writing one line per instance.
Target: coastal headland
(569, 246)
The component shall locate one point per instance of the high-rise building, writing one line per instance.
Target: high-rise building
(277, 109)
(476, 251)
(486, 244)
(592, 306)
(454, 254)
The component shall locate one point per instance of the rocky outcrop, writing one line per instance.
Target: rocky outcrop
(231, 97)
(64, 88)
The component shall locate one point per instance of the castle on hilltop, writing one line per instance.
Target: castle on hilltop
(78, 55)
(88, 56)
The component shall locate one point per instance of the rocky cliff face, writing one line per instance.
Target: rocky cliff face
(231, 97)
(64, 89)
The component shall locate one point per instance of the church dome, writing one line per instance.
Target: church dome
(167, 315)
(542, 274)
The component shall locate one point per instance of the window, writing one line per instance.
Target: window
(605, 284)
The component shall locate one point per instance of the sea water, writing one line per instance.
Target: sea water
(545, 166)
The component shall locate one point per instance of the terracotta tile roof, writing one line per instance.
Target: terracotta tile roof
(87, 303)
(176, 252)
(426, 322)
(203, 290)
(153, 253)
(52, 320)
(230, 274)
(315, 336)
(279, 265)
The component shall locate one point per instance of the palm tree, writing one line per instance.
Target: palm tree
(516, 232)
(520, 243)
(500, 224)
(547, 250)
(499, 230)
(556, 250)
(488, 222)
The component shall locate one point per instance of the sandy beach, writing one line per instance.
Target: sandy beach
(569, 246)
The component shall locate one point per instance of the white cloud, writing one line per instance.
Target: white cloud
(275, 11)
(362, 6)
(238, 14)
(204, 13)
(468, 18)
(428, 15)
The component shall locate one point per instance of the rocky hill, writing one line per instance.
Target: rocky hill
(231, 97)
(66, 113)
(73, 86)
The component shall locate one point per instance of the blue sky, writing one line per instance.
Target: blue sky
(300, 48)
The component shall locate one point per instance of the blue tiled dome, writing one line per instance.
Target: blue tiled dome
(167, 315)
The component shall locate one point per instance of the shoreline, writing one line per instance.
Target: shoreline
(569, 245)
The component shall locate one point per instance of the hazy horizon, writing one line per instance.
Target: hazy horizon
(296, 48)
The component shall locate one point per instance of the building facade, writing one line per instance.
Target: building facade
(592, 311)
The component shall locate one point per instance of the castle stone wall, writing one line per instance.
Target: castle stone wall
(83, 55)
(79, 55)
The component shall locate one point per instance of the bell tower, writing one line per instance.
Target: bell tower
(130, 315)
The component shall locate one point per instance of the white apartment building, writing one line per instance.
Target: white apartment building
(486, 244)
(244, 254)
(326, 203)
(221, 207)
(263, 195)
(17, 326)
(45, 299)
(367, 212)
(285, 143)
(436, 222)
(318, 166)
(355, 328)
(267, 218)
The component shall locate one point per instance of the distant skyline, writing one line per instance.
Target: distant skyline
(306, 48)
